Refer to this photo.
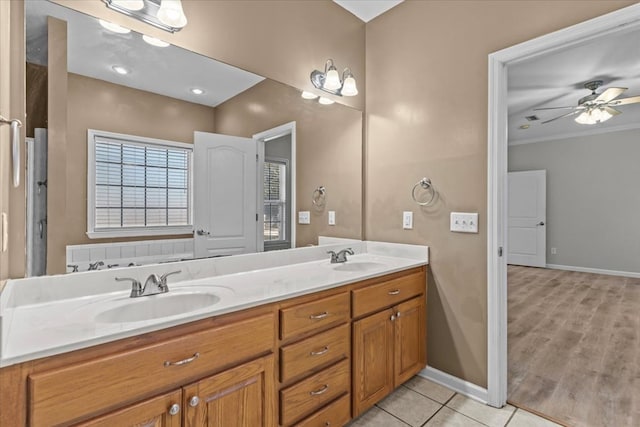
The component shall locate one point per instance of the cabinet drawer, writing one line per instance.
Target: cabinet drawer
(309, 395)
(321, 349)
(337, 414)
(376, 297)
(74, 392)
(314, 315)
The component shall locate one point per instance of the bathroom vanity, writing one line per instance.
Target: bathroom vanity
(306, 344)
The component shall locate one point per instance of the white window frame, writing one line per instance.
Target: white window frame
(283, 190)
(94, 233)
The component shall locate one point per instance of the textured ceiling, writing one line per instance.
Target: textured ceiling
(366, 10)
(557, 80)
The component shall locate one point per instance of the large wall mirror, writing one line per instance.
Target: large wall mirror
(142, 152)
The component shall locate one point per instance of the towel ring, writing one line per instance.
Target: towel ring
(318, 196)
(424, 183)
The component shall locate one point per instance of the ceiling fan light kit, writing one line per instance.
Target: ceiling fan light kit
(595, 108)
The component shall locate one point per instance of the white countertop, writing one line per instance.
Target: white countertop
(38, 321)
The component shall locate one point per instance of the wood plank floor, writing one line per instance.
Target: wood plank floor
(574, 346)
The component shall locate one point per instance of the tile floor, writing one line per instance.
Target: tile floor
(420, 402)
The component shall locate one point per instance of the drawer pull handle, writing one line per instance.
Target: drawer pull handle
(319, 391)
(318, 353)
(182, 362)
(174, 409)
(319, 315)
(394, 292)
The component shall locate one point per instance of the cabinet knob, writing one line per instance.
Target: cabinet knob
(174, 409)
(194, 401)
(398, 314)
(393, 317)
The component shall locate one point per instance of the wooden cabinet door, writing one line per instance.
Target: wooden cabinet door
(239, 397)
(410, 339)
(160, 411)
(372, 360)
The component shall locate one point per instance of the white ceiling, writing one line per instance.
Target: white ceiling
(557, 80)
(366, 10)
(169, 71)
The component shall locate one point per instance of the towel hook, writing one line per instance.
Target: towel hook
(425, 184)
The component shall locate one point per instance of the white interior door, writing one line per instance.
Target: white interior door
(225, 197)
(527, 211)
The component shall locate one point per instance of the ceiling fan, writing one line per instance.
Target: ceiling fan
(595, 108)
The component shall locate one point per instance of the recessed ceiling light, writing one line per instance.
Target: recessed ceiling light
(120, 70)
(114, 27)
(308, 95)
(197, 91)
(154, 41)
(525, 126)
(325, 101)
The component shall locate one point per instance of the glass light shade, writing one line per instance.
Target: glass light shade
(129, 4)
(325, 101)
(154, 41)
(171, 13)
(114, 27)
(592, 117)
(332, 79)
(308, 95)
(349, 88)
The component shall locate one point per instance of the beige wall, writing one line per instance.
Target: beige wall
(280, 39)
(426, 115)
(100, 105)
(328, 152)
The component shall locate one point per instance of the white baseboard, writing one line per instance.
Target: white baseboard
(593, 270)
(454, 383)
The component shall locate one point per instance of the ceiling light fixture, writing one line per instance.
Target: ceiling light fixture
(197, 91)
(154, 41)
(120, 69)
(330, 82)
(308, 95)
(594, 116)
(114, 27)
(164, 14)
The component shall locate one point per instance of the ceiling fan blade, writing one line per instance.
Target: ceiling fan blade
(624, 101)
(612, 111)
(564, 115)
(552, 108)
(609, 94)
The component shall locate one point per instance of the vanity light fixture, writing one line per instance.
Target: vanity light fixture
(308, 95)
(325, 101)
(154, 41)
(593, 116)
(114, 27)
(330, 82)
(120, 70)
(164, 14)
(197, 91)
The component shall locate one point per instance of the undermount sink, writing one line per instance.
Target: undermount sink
(358, 266)
(157, 306)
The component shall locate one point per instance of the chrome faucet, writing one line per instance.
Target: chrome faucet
(153, 285)
(95, 265)
(341, 256)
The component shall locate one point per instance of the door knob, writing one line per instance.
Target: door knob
(540, 223)
(203, 233)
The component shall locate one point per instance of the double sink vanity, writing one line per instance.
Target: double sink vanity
(280, 338)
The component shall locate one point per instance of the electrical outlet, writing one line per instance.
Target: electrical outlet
(554, 251)
(464, 222)
(407, 220)
(332, 217)
(304, 217)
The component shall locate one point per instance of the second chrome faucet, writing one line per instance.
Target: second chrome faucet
(153, 285)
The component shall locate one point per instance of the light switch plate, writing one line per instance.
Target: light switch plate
(463, 222)
(304, 217)
(407, 220)
(332, 217)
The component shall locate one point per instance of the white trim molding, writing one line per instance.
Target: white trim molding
(454, 383)
(625, 19)
(588, 132)
(594, 270)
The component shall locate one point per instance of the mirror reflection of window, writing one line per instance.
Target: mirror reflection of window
(275, 199)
